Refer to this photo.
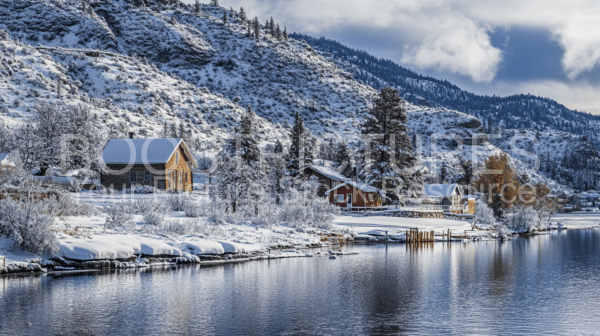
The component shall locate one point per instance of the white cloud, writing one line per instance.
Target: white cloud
(453, 35)
(460, 47)
(427, 28)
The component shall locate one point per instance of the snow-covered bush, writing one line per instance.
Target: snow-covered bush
(154, 218)
(178, 201)
(29, 225)
(65, 205)
(119, 215)
(523, 218)
(143, 206)
(484, 214)
(194, 209)
(176, 227)
(304, 208)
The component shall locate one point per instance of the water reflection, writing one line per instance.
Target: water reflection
(544, 284)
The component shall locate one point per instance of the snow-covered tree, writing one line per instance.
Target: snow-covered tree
(214, 3)
(278, 35)
(224, 17)
(285, 34)
(301, 148)
(278, 149)
(483, 213)
(197, 7)
(250, 152)
(256, 26)
(241, 179)
(343, 159)
(391, 154)
(243, 16)
(271, 25)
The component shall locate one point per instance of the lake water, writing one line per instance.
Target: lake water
(536, 285)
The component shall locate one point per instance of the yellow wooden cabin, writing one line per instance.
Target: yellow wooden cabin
(165, 164)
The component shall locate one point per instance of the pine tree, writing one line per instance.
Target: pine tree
(443, 173)
(272, 27)
(198, 6)
(249, 146)
(225, 17)
(285, 34)
(248, 31)
(267, 27)
(243, 16)
(278, 32)
(343, 160)
(301, 150)
(231, 12)
(256, 29)
(214, 2)
(386, 124)
(278, 149)
(497, 206)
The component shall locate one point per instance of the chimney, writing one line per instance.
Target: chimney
(131, 135)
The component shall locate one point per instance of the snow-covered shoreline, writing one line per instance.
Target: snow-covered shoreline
(235, 243)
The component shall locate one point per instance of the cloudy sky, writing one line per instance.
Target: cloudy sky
(543, 47)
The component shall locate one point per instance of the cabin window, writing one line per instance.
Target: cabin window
(371, 197)
(176, 158)
(339, 198)
(148, 176)
(132, 176)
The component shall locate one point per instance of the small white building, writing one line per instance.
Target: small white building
(450, 196)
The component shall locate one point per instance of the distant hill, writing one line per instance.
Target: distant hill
(516, 111)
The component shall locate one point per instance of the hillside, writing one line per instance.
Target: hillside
(163, 68)
(517, 111)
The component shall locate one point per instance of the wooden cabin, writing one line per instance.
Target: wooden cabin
(449, 195)
(343, 191)
(328, 178)
(352, 194)
(165, 164)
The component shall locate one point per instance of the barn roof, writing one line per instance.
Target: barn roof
(360, 186)
(140, 151)
(329, 173)
(4, 161)
(441, 190)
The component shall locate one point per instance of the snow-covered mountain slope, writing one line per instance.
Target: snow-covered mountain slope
(160, 66)
(276, 77)
(127, 94)
(516, 111)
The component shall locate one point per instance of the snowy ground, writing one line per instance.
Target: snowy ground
(89, 240)
(577, 220)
